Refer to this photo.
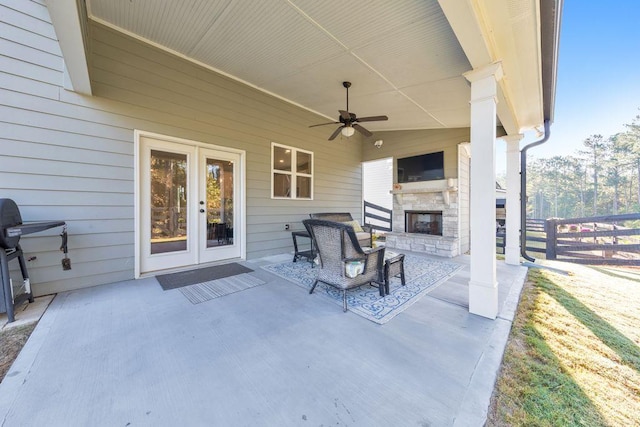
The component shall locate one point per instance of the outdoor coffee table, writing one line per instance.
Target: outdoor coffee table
(393, 266)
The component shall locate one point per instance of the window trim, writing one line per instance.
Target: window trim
(292, 173)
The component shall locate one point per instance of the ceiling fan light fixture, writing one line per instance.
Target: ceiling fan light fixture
(350, 122)
(348, 131)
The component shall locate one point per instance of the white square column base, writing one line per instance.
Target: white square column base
(512, 255)
(483, 299)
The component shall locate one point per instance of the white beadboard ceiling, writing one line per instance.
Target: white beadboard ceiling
(401, 56)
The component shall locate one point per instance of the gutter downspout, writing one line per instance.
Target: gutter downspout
(523, 190)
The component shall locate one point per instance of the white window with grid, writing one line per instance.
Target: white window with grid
(291, 173)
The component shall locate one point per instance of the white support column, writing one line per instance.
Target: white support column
(483, 286)
(512, 248)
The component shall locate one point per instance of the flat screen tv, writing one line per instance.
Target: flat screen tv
(426, 167)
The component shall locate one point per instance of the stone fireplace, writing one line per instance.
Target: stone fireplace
(424, 222)
(425, 217)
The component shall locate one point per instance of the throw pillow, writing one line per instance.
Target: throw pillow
(355, 225)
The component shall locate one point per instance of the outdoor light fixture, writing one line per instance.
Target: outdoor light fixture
(378, 143)
(539, 132)
(348, 131)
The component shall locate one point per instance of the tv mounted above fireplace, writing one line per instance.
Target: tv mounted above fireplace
(425, 167)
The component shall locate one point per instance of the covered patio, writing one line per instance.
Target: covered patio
(249, 80)
(94, 89)
(130, 353)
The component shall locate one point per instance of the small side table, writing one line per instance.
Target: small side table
(310, 254)
(393, 266)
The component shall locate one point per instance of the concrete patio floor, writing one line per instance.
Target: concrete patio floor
(130, 354)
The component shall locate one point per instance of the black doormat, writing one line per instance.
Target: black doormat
(200, 275)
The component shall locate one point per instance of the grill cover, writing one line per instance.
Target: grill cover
(9, 217)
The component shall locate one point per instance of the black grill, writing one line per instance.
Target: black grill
(11, 229)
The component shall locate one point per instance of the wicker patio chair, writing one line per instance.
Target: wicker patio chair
(364, 233)
(337, 246)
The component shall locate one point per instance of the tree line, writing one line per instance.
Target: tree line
(602, 178)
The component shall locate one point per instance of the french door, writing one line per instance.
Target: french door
(189, 210)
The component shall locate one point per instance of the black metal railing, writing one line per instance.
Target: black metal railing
(378, 213)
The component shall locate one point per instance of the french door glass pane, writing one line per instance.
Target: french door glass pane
(168, 202)
(219, 203)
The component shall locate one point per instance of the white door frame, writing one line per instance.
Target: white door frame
(239, 199)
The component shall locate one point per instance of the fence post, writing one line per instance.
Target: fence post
(551, 230)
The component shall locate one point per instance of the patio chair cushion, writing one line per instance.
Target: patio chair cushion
(364, 235)
(355, 224)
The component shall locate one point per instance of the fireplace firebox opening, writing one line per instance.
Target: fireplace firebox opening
(423, 222)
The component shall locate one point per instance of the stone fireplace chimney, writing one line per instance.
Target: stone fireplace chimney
(433, 209)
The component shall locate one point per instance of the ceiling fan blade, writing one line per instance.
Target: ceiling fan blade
(372, 119)
(335, 133)
(361, 130)
(324, 124)
(345, 115)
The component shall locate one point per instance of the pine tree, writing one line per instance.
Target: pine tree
(596, 147)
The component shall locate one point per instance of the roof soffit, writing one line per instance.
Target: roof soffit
(505, 31)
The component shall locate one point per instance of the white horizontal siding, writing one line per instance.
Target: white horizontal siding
(62, 154)
(63, 197)
(34, 9)
(58, 161)
(64, 168)
(29, 55)
(28, 86)
(378, 182)
(80, 241)
(62, 138)
(33, 72)
(27, 38)
(71, 157)
(30, 181)
(38, 112)
(28, 16)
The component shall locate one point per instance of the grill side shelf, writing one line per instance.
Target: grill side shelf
(32, 227)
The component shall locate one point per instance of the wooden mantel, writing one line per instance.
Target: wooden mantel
(442, 185)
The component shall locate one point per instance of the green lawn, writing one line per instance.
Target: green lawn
(12, 339)
(573, 357)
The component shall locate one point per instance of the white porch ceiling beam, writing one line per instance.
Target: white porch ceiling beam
(474, 34)
(66, 22)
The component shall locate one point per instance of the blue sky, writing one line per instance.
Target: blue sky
(598, 86)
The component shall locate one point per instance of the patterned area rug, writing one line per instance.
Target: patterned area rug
(422, 275)
(206, 291)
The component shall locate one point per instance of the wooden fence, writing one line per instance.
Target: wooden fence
(594, 240)
(534, 225)
(536, 240)
(589, 240)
